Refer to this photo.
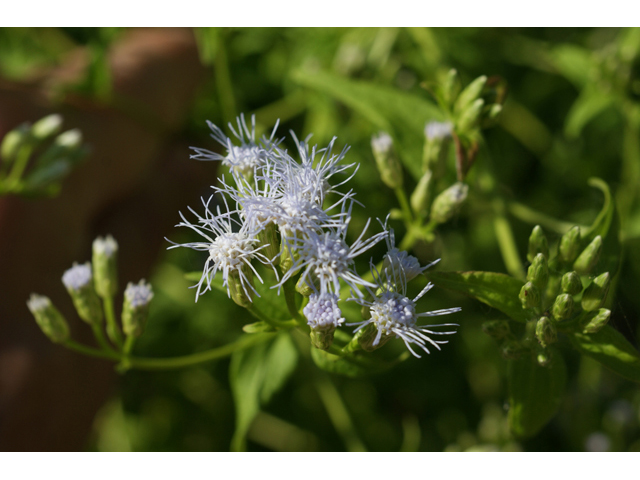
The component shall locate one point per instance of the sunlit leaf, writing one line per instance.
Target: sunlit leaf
(497, 290)
(611, 349)
(535, 393)
(401, 114)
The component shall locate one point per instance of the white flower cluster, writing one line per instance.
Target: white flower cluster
(276, 212)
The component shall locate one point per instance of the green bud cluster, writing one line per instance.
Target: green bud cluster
(571, 283)
(537, 244)
(546, 332)
(538, 272)
(596, 320)
(589, 257)
(596, 293)
(529, 296)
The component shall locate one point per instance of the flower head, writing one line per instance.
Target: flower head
(77, 277)
(243, 158)
(393, 314)
(322, 311)
(401, 262)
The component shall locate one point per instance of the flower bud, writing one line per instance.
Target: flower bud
(571, 283)
(469, 117)
(420, 196)
(529, 296)
(544, 358)
(537, 243)
(570, 245)
(470, 94)
(436, 147)
(596, 293)
(451, 86)
(589, 257)
(105, 260)
(304, 289)
(546, 332)
(497, 329)
(511, 350)
(387, 160)
(323, 316)
(562, 307)
(447, 204)
(13, 141)
(78, 281)
(596, 320)
(47, 127)
(538, 272)
(135, 310)
(48, 318)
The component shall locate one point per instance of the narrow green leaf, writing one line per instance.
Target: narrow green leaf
(255, 375)
(401, 114)
(590, 103)
(611, 349)
(497, 290)
(535, 393)
(574, 63)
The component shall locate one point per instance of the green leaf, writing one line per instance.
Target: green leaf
(574, 63)
(590, 103)
(497, 290)
(535, 393)
(401, 114)
(611, 349)
(255, 375)
(353, 366)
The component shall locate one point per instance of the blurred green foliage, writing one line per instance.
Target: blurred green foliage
(572, 113)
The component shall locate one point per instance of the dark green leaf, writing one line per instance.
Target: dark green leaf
(611, 349)
(255, 375)
(535, 393)
(401, 114)
(353, 366)
(591, 102)
(497, 290)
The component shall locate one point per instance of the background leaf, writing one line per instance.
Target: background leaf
(255, 375)
(401, 114)
(535, 393)
(497, 290)
(356, 366)
(612, 350)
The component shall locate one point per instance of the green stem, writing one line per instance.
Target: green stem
(507, 242)
(339, 414)
(223, 80)
(128, 345)
(100, 338)
(290, 298)
(404, 206)
(13, 179)
(534, 217)
(92, 352)
(242, 343)
(112, 327)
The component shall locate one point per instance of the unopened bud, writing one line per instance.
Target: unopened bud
(538, 272)
(135, 310)
(470, 94)
(570, 245)
(13, 141)
(304, 289)
(596, 293)
(546, 332)
(322, 339)
(447, 204)
(571, 283)
(497, 329)
(537, 243)
(105, 266)
(323, 316)
(78, 281)
(469, 117)
(589, 257)
(47, 127)
(436, 147)
(387, 160)
(544, 358)
(420, 196)
(511, 350)
(596, 320)
(48, 318)
(562, 307)
(529, 296)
